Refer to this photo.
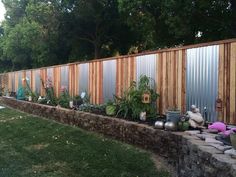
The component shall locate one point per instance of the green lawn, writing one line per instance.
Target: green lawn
(32, 146)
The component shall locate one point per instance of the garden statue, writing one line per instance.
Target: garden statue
(195, 118)
(20, 94)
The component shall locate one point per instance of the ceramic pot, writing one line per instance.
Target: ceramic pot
(233, 140)
(159, 125)
(170, 126)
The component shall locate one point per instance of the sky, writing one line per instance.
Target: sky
(2, 11)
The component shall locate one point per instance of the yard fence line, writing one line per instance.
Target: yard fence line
(196, 74)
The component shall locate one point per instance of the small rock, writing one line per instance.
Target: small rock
(220, 147)
(231, 152)
(192, 132)
(211, 131)
(213, 141)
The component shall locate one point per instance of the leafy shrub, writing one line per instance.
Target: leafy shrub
(131, 105)
(64, 98)
(87, 107)
(77, 101)
(110, 108)
(50, 97)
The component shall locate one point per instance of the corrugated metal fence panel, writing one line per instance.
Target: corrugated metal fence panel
(37, 80)
(13, 82)
(202, 79)
(28, 77)
(65, 77)
(146, 65)
(83, 77)
(109, 80)
(50, 73)
(125, 74)
(20, 77)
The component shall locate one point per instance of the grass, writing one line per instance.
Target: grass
(32, 146)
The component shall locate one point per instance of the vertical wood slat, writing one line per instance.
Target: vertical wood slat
(23, 79)
(73, 77)
(43, 76)
(96, 82)
(227, 82)
(171, 82)
(76, 87)
(57, 80)
(232, 54)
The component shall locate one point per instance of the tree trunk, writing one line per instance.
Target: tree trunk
(97, 50)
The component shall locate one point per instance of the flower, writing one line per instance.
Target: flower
(26, 78)
(63, 88)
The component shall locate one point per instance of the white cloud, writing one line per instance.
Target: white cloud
(2, 11)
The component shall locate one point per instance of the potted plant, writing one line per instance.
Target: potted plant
(173, 115)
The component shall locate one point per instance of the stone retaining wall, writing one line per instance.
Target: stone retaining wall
(190, 156)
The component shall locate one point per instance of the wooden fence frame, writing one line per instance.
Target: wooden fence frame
(171, 85)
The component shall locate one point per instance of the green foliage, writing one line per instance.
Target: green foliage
(64, 99)
(111, 108)
(29, 92)
(41, 33)
(77, 100)
(97, 109)
(131, 105)
(50, 97)
(175, 22)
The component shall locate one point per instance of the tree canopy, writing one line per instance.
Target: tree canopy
(39, 33)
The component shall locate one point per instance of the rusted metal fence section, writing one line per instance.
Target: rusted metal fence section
(196, 74)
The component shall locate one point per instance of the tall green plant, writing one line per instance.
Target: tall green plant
(64, 98)
(49, 90)
(131, 105)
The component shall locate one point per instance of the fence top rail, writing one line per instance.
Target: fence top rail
(134, 55)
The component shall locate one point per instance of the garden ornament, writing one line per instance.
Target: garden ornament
(221, 127)
(159, 124)
(142, 116)
(170, 126)
(195, 118)
(146, 97)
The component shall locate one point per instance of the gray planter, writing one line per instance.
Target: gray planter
(173, 116)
